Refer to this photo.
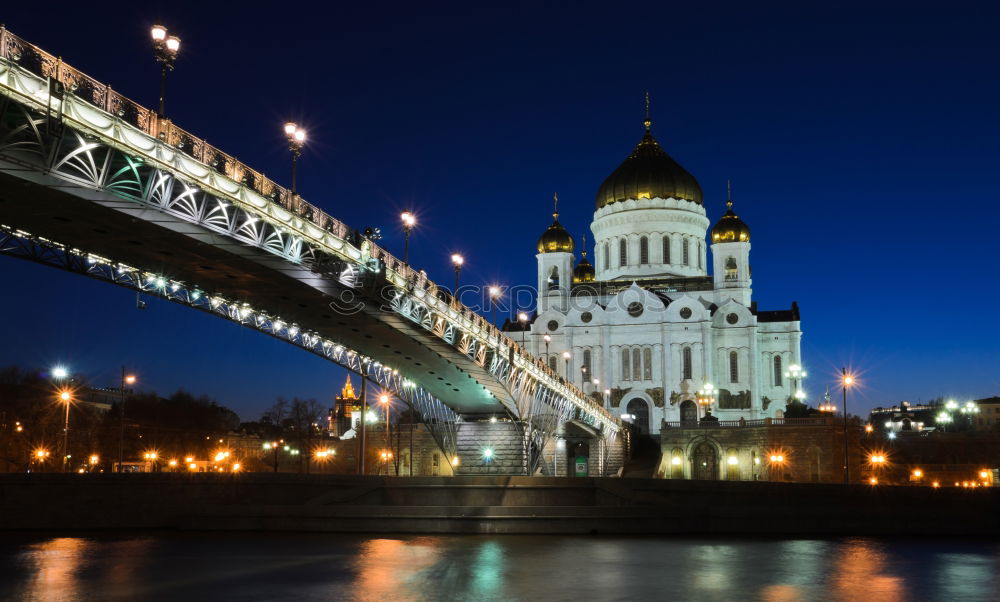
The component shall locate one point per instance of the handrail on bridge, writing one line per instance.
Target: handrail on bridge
(43, 64)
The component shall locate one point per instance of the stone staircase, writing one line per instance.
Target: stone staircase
(502, 438)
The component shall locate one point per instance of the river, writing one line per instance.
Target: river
(298, 566)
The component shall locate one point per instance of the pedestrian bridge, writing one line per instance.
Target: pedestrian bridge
(94, 183)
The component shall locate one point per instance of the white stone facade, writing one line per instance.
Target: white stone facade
(653, 329)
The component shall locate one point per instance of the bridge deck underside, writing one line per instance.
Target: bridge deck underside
(156, 241)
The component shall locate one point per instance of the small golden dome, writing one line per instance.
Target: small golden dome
(555, 239)
(584, 271)
(648, 173)
(730, 228)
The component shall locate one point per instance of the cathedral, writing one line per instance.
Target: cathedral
(648, 328)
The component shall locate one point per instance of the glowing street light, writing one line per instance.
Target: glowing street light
(66, 398)
(165, 48)
(495, 293)
(828, 407)
(847, 380)
(409, 220)
(384, 400)
(522, 318)
(705, 397)
(548, 339)
(566, 356)
(457, 261)
(59, 373)
(127, 379)
(795, 373)
(296, 138)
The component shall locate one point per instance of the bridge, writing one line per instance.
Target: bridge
(96, 184)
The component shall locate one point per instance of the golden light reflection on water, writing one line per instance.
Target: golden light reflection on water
(56, 565)
(782, 593)
(859, 571)
(386, 568)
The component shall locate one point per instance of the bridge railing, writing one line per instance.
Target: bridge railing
(65, 79)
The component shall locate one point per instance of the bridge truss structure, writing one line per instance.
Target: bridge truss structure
(56, 121)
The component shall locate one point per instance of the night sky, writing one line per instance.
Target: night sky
(861, 141)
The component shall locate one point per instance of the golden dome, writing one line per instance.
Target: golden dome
(648, 173)
(555, 239)
(730, 228)
(584, 271)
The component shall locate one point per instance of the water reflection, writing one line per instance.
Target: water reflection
(322, 567)
(860, 570)
(53, 567)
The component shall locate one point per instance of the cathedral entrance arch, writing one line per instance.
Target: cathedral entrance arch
(705, 462)
(689, 411)
(639, 410)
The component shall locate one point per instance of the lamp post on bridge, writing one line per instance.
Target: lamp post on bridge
(165, 48)
(566, 356)
(296, 137)
(457, 261)
(495, 292)
(548, 339)
(409, 220)
(522, 318)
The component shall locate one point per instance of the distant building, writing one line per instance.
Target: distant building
(988, 418)
(346, 411)
(904, 418)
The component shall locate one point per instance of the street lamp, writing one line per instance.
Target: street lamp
(457, 261)
(522, 317)
(384, 400)
(59, 373)
(165, 48)
(705, 397)
(548, 339)
(409, 220)
(66, 398)
(796, 374)
(495, 292)
(566, 356)
(777, 463)
(847, 380)
(296, 137)
(127, 379)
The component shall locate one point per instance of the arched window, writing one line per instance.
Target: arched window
(554, 278)
(626, 371)
(607, 256)
(734, 367)
(666, 249)
(552, 363)
(636, 364)
(699, 254)
(586, 362)
(643, 251)
(731, 271)
(777, 371)
(686, 364)
(647, 363)
(622, 253)
(685, 252)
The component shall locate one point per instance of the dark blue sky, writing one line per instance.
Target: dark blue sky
(861, 140)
